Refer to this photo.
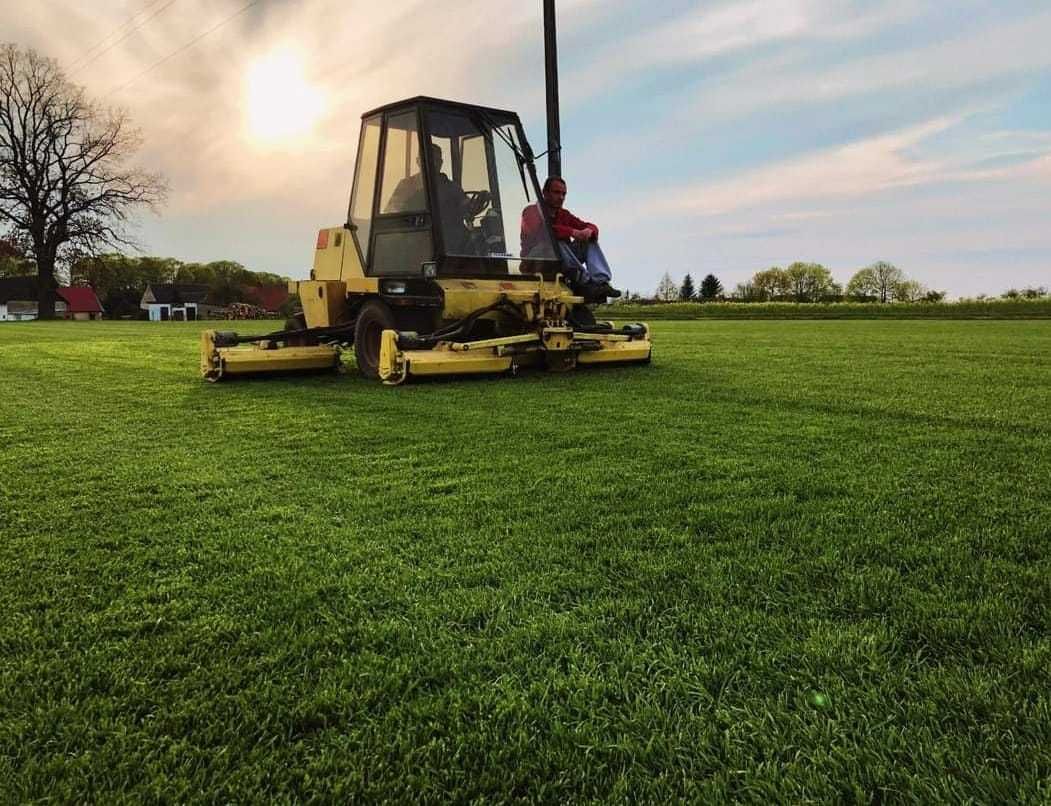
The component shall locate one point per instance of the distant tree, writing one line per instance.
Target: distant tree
(747, 292)
(687, 291)
(876, 282)
(909, 291)
(934, 296)
(810, 282)
(64, 183)
(711, 288)
(772, 283)
(667, 291)
(1029, 292)
(229, 281)
(120, 281)
(13, 261)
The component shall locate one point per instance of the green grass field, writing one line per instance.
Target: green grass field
(789, 561)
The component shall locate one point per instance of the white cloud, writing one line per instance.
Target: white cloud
(1014, 48)
(868, 166)
(707, 32)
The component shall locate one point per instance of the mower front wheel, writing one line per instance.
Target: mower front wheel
(298, 321)
(373, 318)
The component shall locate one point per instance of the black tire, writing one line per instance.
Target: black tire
(298, 322)
(373, 318)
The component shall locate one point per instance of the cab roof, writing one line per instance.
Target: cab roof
(429, 101)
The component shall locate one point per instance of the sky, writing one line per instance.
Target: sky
(722, 137)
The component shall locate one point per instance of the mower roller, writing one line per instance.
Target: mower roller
(426, 276)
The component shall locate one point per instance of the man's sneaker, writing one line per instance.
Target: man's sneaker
(611, 291)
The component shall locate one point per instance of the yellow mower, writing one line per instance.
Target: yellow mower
(427, 276)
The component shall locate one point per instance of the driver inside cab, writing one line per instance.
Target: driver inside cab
(456, 208)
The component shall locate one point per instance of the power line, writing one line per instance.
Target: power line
(129, 33)
(113, 33)
(189, 44)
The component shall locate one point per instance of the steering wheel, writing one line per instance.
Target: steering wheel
(477, 201)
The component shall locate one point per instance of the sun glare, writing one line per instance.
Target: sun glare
(282, 104)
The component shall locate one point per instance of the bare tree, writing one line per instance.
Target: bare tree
(65, 188)
(667, 291)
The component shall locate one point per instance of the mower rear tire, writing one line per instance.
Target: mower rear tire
(373, 318)
(298, 321)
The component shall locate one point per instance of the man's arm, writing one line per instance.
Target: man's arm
(569, 226)
(532, 223)
(405, 194)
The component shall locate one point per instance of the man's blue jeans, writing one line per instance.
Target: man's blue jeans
(587, 258)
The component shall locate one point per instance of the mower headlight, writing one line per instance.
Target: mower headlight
(394, 288)
(430, 270)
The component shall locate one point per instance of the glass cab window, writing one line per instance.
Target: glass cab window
(528, 238)
(402, 229)
(365, 180)
(404, 189)
(482, 189)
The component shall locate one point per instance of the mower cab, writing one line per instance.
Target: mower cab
(439, 191)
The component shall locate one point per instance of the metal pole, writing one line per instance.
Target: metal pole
(554, 136)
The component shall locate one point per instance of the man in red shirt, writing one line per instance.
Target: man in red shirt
(577, 241)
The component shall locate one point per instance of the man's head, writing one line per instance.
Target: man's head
(436, 156)
(555, 192)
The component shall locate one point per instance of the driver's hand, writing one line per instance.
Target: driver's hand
(476, 204)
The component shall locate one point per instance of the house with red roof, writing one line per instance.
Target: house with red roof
(81, 303)
(19, 300)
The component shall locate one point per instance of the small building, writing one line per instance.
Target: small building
(19, 299)
(82, 303)
(175, 302)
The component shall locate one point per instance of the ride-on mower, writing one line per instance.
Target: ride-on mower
(427, 276)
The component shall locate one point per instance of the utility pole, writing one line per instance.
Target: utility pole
(554, 135)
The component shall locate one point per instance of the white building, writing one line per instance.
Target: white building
(176, 303)
(18, 299)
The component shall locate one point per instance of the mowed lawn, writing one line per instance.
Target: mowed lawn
(787, 561)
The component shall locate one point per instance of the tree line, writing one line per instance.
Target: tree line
(802, 282)
(119, 280)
